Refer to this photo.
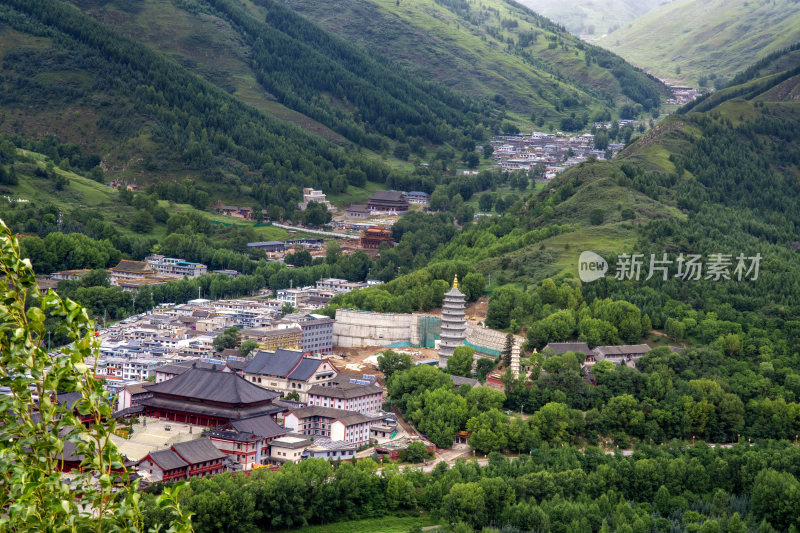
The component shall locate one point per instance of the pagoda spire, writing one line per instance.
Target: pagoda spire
(455, 282)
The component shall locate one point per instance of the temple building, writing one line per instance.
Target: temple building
(454, 323)
(393, 202)
(374, 236)
(209, 398)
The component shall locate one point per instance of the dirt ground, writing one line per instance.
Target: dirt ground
(477, 311)
(364, 360)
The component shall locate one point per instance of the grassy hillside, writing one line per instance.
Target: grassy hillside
(685, 40)
(492, 49)
(592, 17)
(79, 199)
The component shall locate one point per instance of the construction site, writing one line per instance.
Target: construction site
(359, 336)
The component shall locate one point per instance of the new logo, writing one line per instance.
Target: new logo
(591, 266)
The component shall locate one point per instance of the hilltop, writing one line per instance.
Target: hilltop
(493, 49)
(706, 41)
(591, 17)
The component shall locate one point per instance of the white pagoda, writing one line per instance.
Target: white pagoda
(454, 323)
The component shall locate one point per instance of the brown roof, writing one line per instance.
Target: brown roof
(136, 388)
(132, 266)
(388, 196)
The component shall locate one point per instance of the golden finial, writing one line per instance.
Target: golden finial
(455, 282)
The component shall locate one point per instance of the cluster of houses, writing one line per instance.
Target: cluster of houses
(623, 354)
(682, 95)
(132, 275)
(556, 152)
(276, 407)
(136, 348)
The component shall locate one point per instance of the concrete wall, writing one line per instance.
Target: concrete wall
(358, 329)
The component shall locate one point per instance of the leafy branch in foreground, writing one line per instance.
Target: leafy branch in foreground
(38, 429)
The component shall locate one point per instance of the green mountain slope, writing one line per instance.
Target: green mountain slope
(144, 115)
(723, 181)
(706, 38)
(491, 48)
(362, 97)
(592, 17)
(151, 116)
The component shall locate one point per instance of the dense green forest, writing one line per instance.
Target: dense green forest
(528, 64)
(663, 489)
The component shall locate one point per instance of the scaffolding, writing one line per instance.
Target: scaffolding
(429, 328)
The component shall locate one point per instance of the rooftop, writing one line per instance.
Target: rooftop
(623, 349)
(224, 387)
(347, 417)
(197, 451)
(345, 391)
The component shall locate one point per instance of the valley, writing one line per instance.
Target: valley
(386, 265)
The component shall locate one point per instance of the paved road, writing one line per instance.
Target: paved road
(317, 232)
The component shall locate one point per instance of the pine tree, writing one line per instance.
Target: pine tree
(506, 354)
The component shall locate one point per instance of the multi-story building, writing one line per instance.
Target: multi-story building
(317, 334)
(288, 449)
(347, 396)
(293, 297)
(247, 441)
(287, 336)
(288, 371)
(130, 270)
(139, 369)
(374, 236)
(176, 267)
(336, 424)
(132, 395)
(388, 202)
(184, 460)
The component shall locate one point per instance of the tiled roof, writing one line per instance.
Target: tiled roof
(167, 460)
(460, 380)
(624, 349)
(348, 417)
(564, 347)
(305, 369)
(263, 426)
(391, 196)
(345, 391)
(223, 387)
(136, 388)
(280, 363)
(197, 451)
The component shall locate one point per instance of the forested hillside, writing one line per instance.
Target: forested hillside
(706, 42)
(494, 49)
(142, 117)
(719, 182)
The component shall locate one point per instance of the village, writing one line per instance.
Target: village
(208, 387)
